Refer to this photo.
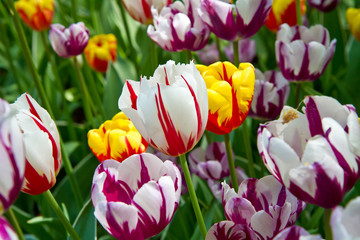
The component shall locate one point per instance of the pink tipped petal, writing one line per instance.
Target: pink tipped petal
(296, 233)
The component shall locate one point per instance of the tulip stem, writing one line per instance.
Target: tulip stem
(154, 55)
(73, 10)
(193, 197)
(231, 162)
(236, 53)
(297, 94)
(65, 222)
(15, 224)
(189, 55)
(327, 227)
(298, 12)
(218, 45)
(247, 142)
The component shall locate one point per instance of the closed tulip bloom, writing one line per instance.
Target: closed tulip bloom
(140, 10)
(42, 145)
(209, 54)
(6, 230)
(353, 19)
(37, 14)
(100, 50)
(315, 154)
(324, 5)
(247, 50)
(302, 53)
(234, 21)
(296, 233)
(178, 27)
(153, 106)
(136, 199)
(345, 222)
(271, 93)
(12, 157)
(116, 139)
(230, 91)
(69, 42)
(283, 11)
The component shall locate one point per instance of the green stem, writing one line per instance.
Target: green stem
(298, 12)
(231, 162)
(207, 136)
(297, 94)
(193, 197)
(73, 10)
(327, 227)
(247, 142)
(218, 45)
(189, 55)
(236, 53)
(15, 224)
(153, 53)
(55, 206)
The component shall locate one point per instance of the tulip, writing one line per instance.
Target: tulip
(209, 54)
(324, 5)
(270, 96)
(316, 154)
(233, 21)
(42, 145)
(353, 19)
(296, 233)
(257, 202)
(283, 11)
(6, 230)
(12, 157)
(303, 53)
(153, 106)
(136, 199)
(178, 27)
(69, 42)
(116, 139)
(37, 14)
(230, 91)
(140, 10)
(345, 221)
(247, 50)
(101, 49)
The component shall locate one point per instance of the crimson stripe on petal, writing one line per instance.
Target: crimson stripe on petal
(314, 118)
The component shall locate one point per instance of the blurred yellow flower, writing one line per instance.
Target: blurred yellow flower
(353, 19)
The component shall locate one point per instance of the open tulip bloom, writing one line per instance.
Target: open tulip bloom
(316, 155)
(136, 199)
(303, 53)
(170, 109)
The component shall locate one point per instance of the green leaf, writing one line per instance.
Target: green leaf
(85, 223)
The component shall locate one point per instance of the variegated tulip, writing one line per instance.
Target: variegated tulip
(140, 10)
(296, 233)
(137, 198)
(101, 49)
(153, 106)
(353, 19)
(324, 5)
(12, 157)
(209, 54)
(178, 27)
(37, 14)
(116, 139)
(316, 155)
(69, 42)
(230, 91)
(247, 50)
(283, 11)
(6, 230)
(271, 93)
(303, 53)
(233, 21)
(42, 145)
(257, 202)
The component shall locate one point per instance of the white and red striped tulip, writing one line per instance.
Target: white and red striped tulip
(42, 145)
(316, 155)
(296, 233)
(12, 157)
(302, 53)
(6, 230)
(136, 199)
(270, 95)
(170, 109)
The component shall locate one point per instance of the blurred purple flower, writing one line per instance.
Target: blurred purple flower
(324, 5)
(69, 42)
(6, 230)
(303, 53)
(316, 155)
(209, 54)
(136, 199)
(271, 93)
(247, 50)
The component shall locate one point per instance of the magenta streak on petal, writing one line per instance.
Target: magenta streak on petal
(297, 35)
(275, 170)
(166, 77)
(3, 231)
(251, 194)
(144, 173)
(297, 212)
(133, 96)
(281, 199)
(117, 191)
(221, 234)
(293, 234)
(314, 118)
(236, 213)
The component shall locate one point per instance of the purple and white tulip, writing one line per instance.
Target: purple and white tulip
(209, 54)
(302, 53)
(6, 230)
(69, 42)
(229, 230)
(12, 157)
(178, 27)
(234, 21)
(247, 50)
(324, 5)
(316, 155)
(136, 199)
(345, 222)
(296, 233)
(258, 202)
(271, 93)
